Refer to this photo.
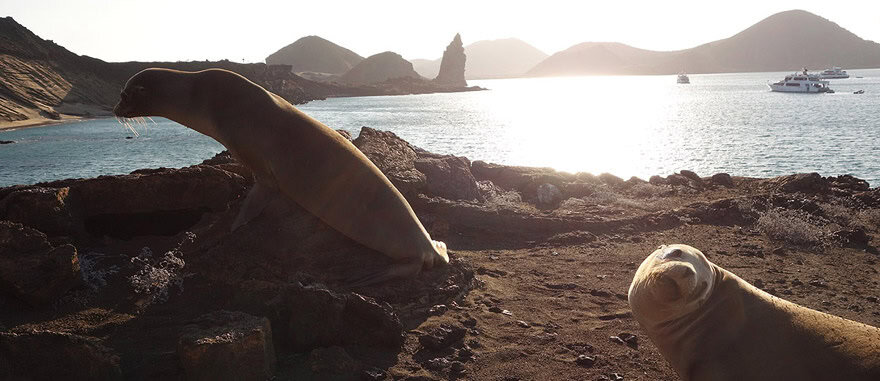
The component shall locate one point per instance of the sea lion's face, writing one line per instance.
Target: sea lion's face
(145, 94)
(672, 282)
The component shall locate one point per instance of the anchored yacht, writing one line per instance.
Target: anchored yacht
(833, 73)
(683, 78)
(801, 83)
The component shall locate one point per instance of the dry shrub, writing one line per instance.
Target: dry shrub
(795, 227)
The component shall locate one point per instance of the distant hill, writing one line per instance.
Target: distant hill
(509, 57)
(379, 68)
(40, 80)
(784, 41)
(315, 54)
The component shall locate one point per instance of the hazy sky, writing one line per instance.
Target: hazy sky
(163, 30)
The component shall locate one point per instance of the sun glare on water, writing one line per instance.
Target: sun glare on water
(596, 126)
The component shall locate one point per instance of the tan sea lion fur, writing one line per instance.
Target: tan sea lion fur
(711, 325)
(291, 155)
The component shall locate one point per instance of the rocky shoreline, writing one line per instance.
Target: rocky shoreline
(138, 277)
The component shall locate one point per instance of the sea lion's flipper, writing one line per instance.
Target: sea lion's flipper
(256, 200)
(398, 270)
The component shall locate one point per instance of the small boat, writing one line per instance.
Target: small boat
(833, 73)
(859, 92)
(683, 79)
(801, 83)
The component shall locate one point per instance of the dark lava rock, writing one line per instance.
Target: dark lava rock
(437, 364)
(722, 179)
(332, 360)
(394, 156)
(225, 345)
(611, 180)
(676, 179)
(585, 361)
(855, 238)
(691, 175)
(449, 177)
(657, 180)
(345, 134)
(415, 171)
(42, 208)
(48, 355)
(630, 339)
(31, 268)
(850, 183)
(549, 195)
(801, 182)
(442, 337)
(319, 317)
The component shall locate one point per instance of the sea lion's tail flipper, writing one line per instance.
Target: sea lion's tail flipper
(407, 269)
(256, 200)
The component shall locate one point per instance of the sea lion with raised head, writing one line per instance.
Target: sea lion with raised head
(711, 325)
(292, 156)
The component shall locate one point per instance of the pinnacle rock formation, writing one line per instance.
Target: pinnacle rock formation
(452, 65)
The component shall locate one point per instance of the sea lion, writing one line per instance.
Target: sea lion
(711, 325)
(292, 156)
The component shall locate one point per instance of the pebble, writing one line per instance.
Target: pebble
(523, 324)
(439, 309)
(585, 361)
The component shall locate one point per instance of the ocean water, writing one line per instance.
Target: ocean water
(624, 125)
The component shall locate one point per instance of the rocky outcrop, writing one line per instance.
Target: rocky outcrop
(379, 68)
(227, 345)
(31, 268)
(453, 64)
(414, 171)
(50, 355)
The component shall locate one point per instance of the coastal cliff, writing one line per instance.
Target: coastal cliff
(41, 81)
(139, 277)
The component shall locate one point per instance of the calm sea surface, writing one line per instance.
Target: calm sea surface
(625, 125)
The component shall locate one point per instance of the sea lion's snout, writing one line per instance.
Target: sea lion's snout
(129, 98)
(671, 281)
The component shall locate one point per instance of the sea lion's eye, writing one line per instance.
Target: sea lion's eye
(674, 253)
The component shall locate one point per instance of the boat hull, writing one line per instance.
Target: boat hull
(799, 89)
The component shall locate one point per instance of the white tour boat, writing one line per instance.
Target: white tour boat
(683, 78)
(833, 73)
(801, 83)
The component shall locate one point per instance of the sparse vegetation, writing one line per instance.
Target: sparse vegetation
(156, 277)
(795, 227)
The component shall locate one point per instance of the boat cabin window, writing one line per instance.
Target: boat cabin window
(799, 78)
(793, 84)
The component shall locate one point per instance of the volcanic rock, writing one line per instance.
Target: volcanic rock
(225, 345)
(31, 268)
(49, 355)
(319, 317)
(452, 64)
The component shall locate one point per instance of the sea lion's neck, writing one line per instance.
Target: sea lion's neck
(723, 304)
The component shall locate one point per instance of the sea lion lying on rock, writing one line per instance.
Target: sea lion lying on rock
(711, 325)
(292, 157)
